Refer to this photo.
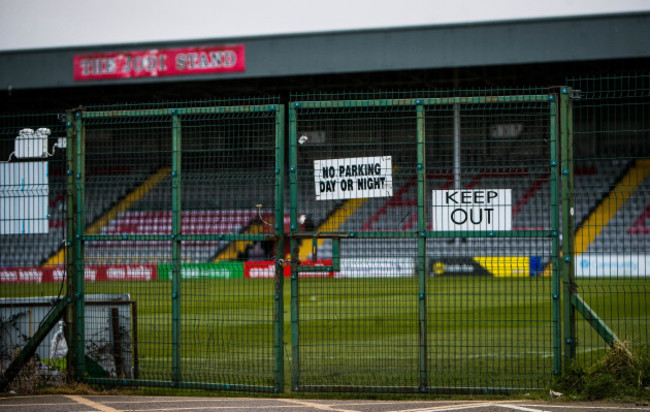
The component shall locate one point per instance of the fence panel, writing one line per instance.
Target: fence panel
(358, 326)
(491, 320)
(175, 201)
(612, 197)
(32, 228)
(415, 293)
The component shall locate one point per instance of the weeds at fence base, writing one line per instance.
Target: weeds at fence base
(36, 375)
(622, 374)
(77, 388)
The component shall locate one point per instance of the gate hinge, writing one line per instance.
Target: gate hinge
(575, 94)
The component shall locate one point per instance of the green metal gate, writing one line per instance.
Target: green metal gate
(413, 291)
(166, 203)
(428, 237)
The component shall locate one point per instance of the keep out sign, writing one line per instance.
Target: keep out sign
(464, 210)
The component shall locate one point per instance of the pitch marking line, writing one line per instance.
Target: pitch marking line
(477, 405)
(88, 402)
(318, 406)
(459, 407)
(520, 408)
(610, 408)
(216, 408)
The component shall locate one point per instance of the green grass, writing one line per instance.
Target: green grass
(482, 332)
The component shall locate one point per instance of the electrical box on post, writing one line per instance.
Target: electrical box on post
(30, 144)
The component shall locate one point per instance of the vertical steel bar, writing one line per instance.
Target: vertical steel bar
(422, 244)
(568, 225)
(336, 255)
(279, 249)
(71, 244)
(176, 248)
(555, 230)
(457, 165)
(79, 294)
(293, 195)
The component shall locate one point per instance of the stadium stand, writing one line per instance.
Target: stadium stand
(530, 210)
(627, 232)
(203, 197)
(193, 222)
(592, 182)
(640, 225)
(216, 209)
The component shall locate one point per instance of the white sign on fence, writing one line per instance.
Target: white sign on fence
(353, 178)
(377, 267)
(464, 210)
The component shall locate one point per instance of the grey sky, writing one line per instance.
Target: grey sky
(28, 24)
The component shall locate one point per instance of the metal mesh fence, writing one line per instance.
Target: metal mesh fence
(124, 187)
(180, 213)
(432, 241)
(361, 329)
(490, 319)
(32, 228)
(442, 271)
(611, 195)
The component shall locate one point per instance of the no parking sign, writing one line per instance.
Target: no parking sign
(353, 178)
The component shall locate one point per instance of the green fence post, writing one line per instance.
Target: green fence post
(293, 194)
(78, 298)
(555, 230)
(279, 248)
(70, 244)
(422, 243)
(176, 247)
(568, 224)
(336, 254)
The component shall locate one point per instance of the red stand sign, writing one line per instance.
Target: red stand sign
(160, 62)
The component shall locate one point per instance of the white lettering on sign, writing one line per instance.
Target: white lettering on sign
(353, 178)
(58, 274)
(128, 273)
(263, 272)
(30, 275)
(378, 267)
(8, 276)
(90, 274)
(482, 209)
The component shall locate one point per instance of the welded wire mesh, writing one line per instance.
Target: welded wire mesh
(32, 229)
(488, 318)
(489, 309)
(127, 193)
(358, 327)
(612, 198)
(431, 221)
(229, 187)
(181, 190)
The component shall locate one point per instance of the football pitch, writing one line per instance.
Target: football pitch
(481, 331)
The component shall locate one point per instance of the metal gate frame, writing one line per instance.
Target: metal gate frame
(75, 296)
(561, 201)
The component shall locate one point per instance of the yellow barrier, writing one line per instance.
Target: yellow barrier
(505, 266)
